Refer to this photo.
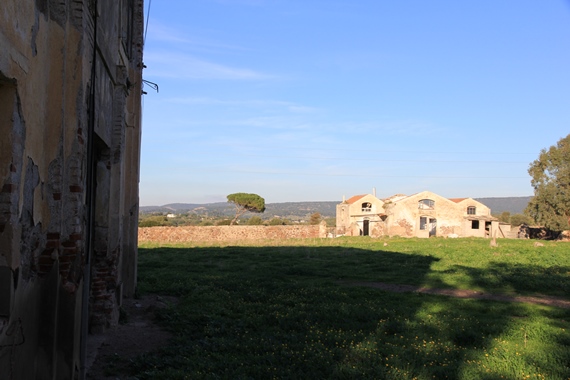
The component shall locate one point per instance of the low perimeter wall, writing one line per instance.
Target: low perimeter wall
(228, 233)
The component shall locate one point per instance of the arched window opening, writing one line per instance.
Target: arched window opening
(426, 204)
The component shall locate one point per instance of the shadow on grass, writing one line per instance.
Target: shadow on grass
(281, 312)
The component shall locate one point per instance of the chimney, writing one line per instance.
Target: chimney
(343, 199)
(374, 192)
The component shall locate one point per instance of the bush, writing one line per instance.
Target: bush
(154, 221)
(255, 221)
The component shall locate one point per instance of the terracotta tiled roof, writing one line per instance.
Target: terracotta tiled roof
(355, 198)
(457, 200)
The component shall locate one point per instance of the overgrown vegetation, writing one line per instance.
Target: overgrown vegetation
(290, 310)
(514, 220)
(550, 206)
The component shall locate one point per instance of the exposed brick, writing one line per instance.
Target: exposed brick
(68, 244)
(47, 252)
(75, 189)
(52, 244)
(56, 196)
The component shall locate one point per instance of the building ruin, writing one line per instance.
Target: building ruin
(70, 130)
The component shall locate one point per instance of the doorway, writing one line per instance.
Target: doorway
(365, 227)
(432, 227)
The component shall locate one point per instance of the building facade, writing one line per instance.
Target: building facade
(70, 129)
(424, 214)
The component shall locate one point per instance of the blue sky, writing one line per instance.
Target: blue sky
(310, 100)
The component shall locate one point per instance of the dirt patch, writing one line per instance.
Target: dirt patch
(107, 354)
(540, 300)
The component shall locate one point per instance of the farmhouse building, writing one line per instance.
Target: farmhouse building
(424, 214)
(70, 96)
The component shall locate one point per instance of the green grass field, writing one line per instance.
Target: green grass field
(286, 310)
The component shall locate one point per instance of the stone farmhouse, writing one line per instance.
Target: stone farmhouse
(424, 214)
(70, 129)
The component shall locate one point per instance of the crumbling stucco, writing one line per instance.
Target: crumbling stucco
(48, 102)
(424, 214)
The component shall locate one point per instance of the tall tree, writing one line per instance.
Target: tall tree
(245, 202)
(550, 174)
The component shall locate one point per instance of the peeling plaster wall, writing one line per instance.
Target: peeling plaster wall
(350, 217)
(46, 92)
(400, 216)
(451, 217)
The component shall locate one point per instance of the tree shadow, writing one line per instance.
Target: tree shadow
(286, 312)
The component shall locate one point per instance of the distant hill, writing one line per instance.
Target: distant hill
(289, 210)
(299, 210)
(514, 205)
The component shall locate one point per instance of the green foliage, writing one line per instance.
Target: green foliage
(255, 221)
(550, 175)
(154, 221)
(295, 309)
(245, 202)
(277, 222)
(515, 219)
(331, 221)
(223, 222)
(505, 217)
(518, 219)
(315, 218)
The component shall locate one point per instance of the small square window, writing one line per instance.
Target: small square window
(471, 210)
(474, 224)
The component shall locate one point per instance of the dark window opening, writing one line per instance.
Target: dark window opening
(474, 224)
(367, 207)
(471, 210)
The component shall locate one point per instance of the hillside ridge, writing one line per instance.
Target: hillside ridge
(513, 205)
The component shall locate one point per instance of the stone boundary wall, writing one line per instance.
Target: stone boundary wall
(212, 234)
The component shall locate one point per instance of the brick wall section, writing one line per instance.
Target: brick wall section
(214, 234)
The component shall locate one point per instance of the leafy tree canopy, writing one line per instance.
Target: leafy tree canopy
(550, 174)
(245, 202)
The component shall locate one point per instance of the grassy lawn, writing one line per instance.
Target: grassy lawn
(285, 310)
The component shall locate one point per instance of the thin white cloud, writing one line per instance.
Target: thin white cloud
(164, 33)
(185, 66)
(251, 103)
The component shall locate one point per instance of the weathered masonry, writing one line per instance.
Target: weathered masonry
(424, 214)
(70, 88)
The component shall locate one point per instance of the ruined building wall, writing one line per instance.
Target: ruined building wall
(49, 102)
